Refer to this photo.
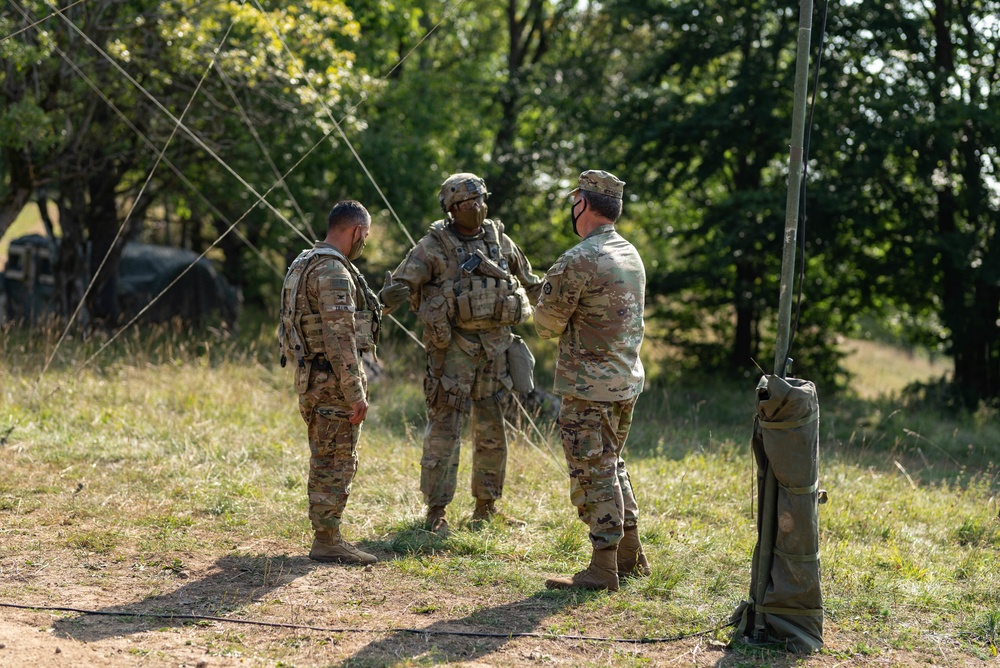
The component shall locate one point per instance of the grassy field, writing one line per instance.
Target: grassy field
(167, 476)
(28, 222)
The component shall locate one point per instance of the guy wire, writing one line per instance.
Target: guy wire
(190, 133)
(261, 198)
(173, 168)
(40, 21)
(329, 115)
(263, 149)
(135, 202)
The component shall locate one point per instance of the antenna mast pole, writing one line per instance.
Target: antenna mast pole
(794, 187)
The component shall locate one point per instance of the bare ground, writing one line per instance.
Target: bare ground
(356, 607)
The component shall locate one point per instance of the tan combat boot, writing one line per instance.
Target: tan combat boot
(436, 522)
(329, 547)
(486, 510)
(601, 574)
(631, 559)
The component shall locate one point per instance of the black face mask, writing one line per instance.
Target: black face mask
(574, 216)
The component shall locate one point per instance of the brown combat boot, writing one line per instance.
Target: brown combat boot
(486, 510)
(631, 559)
(436, 522)
(601, 574)
(329, 547)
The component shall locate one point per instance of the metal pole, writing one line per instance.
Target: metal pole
(794, 187)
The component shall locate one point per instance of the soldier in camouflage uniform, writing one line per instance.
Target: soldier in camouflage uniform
(329, 317)
(468, 283)
(592, 299)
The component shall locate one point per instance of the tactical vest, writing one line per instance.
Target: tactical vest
(300, 335)
(486, 296)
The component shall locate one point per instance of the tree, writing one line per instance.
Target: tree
(916, 124)
(98, 161)
(709, 95)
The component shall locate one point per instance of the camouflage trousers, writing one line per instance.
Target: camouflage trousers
(456, 383)
(593, 436)
(333, 443)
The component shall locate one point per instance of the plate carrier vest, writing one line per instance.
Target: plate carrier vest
(302, 337)
(489, 296)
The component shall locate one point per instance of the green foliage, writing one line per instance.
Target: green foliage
(913, 194)
(24, 125)
(688, 102)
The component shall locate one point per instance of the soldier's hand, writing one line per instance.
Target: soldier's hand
(359, 412)
(393, 294)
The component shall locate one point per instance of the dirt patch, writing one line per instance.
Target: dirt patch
(329, 615)
(330, 606)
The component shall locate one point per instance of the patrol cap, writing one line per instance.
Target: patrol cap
(460, 187)
(600, 182)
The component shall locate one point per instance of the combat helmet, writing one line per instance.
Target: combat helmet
(460, 187)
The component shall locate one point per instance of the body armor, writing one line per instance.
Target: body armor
(477, 290)
(300, 335)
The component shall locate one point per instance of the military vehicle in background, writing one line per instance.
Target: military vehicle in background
(200, 297)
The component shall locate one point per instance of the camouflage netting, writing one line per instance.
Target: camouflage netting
(200, 296)
(786, 602)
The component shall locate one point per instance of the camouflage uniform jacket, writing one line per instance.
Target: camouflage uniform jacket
(592, 299)
(432, 270)
(335, 293)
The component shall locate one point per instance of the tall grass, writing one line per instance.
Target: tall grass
(168, 446)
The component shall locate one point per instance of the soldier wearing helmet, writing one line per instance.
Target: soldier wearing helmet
(468, 283)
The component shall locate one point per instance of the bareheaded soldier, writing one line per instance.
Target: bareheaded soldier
(468, 283)
(592, 299)
(329, 317)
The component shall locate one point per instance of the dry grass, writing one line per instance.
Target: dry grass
(882, 370)
(169, 477)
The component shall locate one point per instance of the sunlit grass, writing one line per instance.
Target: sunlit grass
(880, 370)
(158, 452)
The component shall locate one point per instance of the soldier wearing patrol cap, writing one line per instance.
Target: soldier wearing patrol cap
(468, 283)
(329, 317)
(592, 300)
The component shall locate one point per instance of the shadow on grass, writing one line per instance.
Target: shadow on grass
(769, 654)
(235, 582)
(410, 538)
(444, 642)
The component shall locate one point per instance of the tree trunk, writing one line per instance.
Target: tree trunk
(71, 269)
(102, 225)
(526, 44)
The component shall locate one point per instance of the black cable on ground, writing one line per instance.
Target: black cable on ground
(330, 629)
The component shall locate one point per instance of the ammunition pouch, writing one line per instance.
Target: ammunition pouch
(445, 391)
(437, 324)
(488, 303)
(521, 366)
(311, 327)
(364, 331)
